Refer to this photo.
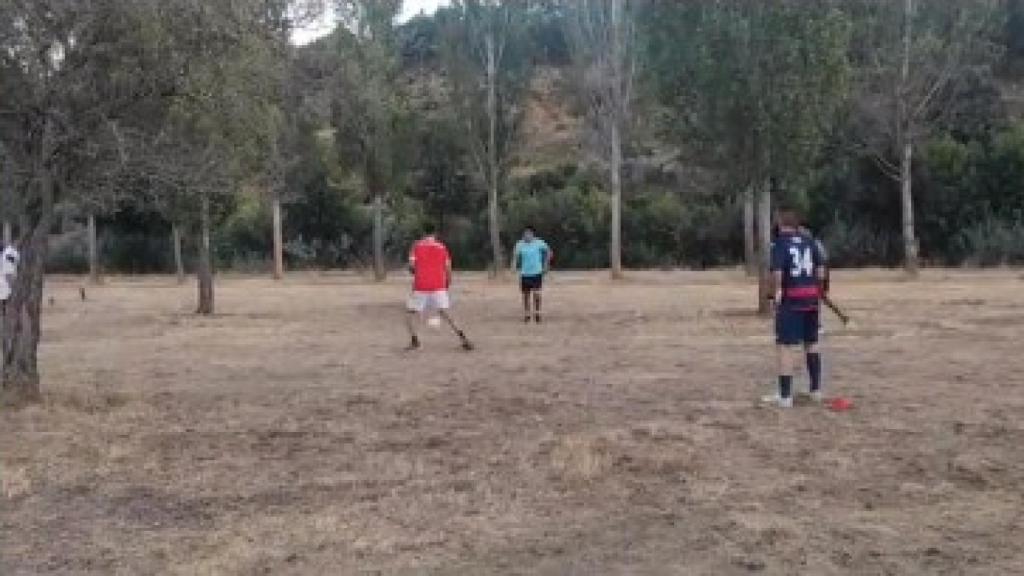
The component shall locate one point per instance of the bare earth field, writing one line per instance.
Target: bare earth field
(291, 435)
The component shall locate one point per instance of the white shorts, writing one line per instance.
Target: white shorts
(425, 301)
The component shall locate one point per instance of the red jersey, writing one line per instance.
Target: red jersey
(429, 259)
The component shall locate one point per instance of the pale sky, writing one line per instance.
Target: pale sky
(410, 8)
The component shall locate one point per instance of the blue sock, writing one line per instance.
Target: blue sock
(814, 370)
(785, 386)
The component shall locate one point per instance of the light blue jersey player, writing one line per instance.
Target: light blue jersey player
(532, 258)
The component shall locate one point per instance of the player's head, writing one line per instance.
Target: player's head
(529, 233)
(429, 228)
(789, 219)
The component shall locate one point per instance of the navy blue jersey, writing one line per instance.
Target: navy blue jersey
(798, 257)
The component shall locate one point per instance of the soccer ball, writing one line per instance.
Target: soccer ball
(434, 321)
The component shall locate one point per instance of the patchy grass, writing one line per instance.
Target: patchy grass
(290, 435)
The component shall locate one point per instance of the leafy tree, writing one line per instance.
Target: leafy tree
(603, 38)
(752, 88)
(68, 69)
(487, 69)
(369, 112)
(909, 54)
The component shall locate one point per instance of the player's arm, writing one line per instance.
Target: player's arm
(775, 267)
(448, 270)
(549, 255)
(412, 262)
(776, 288)
(514, 261)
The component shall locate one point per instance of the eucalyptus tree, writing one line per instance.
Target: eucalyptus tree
(603, 39)
(487, 65)
(909, 55)
(754, 85)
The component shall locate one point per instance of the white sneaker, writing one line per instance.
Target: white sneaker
(817, 397)
(776, 400)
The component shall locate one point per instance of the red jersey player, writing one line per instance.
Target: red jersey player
(431, 266)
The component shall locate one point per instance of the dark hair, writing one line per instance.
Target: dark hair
(789, 218)
(429, 228)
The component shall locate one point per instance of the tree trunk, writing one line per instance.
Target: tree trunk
(910, 252)
(205, 275)
(21, 321)
(764, 232)
(379, 270)
(493, 217)
(278, 241)
(94, 251)
(906, 142)
(616, 140)
(179, 262)
(749, 238)
(616, 174)
(8, 234)
(22, 312)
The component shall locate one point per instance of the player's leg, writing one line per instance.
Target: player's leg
(443, 304)
(524, 287)
(415, 306)
(813, 353)
(786, 354)
(787, 338)
(537, 288)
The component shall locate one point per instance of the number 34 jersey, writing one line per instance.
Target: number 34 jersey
(798, 257)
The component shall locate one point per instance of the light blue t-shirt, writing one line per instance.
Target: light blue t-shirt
(531, 256)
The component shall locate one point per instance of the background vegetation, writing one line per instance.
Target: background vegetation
(695, 88)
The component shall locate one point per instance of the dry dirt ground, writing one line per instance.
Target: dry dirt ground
(291, 435)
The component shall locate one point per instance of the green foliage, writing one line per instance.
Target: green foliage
(749, 85)
(569, 209)
(991, 242)
(210, 102)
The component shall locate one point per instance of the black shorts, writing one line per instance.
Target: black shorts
(531, 283)
(795, 327)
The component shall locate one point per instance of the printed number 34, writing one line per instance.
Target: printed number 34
(803, 261)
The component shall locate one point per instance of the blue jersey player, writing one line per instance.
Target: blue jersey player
(798, 271)
(531, 257)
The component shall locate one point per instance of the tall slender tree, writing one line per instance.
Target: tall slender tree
(603, 34)
(368, 106)
(488, 71)
(908, 55)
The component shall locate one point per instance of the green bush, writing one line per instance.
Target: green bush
(860, 244)
(991, 242)
(568, 209)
